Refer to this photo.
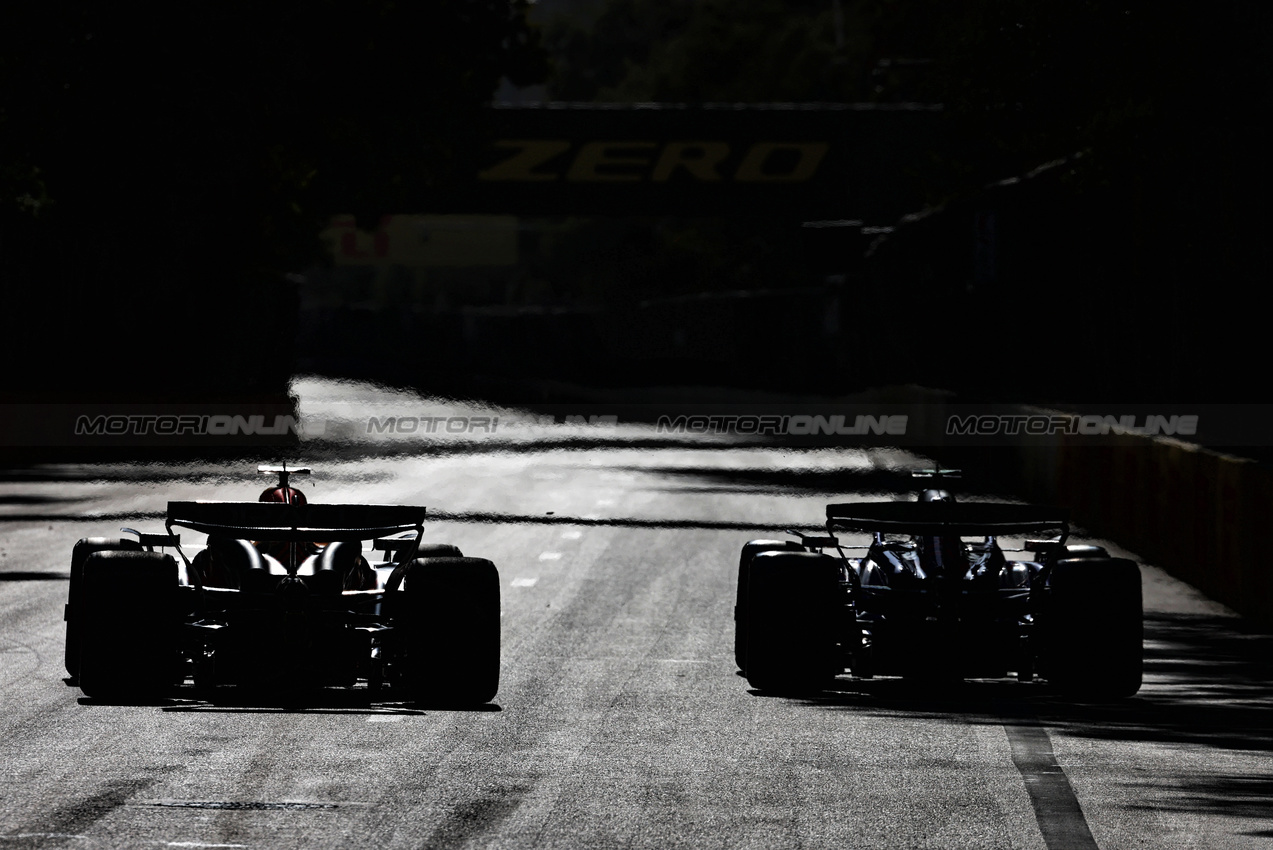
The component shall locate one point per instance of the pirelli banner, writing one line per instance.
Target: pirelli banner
(840, 161)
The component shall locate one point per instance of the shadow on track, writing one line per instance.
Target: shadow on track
(27, 575)
(793, 481)
(186, 699)
(1208, 684)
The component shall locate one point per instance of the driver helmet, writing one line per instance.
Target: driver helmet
(286, 495)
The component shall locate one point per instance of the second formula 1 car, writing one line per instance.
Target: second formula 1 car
(932, 588)
(284, 597)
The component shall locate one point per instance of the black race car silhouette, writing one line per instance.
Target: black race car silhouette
(282, 598)
(931, 593)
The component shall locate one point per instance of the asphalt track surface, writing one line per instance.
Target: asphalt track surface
(621, 720)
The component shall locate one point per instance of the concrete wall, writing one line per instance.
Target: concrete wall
(1202, 515)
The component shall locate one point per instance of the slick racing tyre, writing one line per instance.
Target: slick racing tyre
(1091, 628)
(128, 614)
(74, 596)
(438, 550)
(1083, 552)
(792, 611)
(750, 550)
(424, 550)
(446, 621)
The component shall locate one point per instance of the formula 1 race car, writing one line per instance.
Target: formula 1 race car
(283, 599)
(931, 593)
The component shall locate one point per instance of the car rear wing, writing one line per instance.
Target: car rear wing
(946, 518)
(277, 521)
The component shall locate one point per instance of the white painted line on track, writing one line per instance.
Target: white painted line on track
(524, 582)
(27, 836)
(550, 556)
(571, 535)
(39, 836)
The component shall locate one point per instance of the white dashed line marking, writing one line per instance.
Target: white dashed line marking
(524, 582)
(27, 836)
(571, 535)
(550, 556)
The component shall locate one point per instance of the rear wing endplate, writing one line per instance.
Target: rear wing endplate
(946, 518)
(296, 523)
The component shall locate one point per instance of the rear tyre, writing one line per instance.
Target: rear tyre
(1084, 552)
(424, 550)
(74, 596)
(129, 614)
(792, 610)
(1091, 628)
(750, 550)
(438, 550)
(446, 620)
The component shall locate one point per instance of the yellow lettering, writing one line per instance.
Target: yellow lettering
(522, 164)
(808, 156)
(700, 159)
(606, 161)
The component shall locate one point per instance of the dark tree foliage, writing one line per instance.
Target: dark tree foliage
(691, 51)
(1137, 86)
(1143, 233)
(1150, 235)
(162, 165)
(697, 51)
